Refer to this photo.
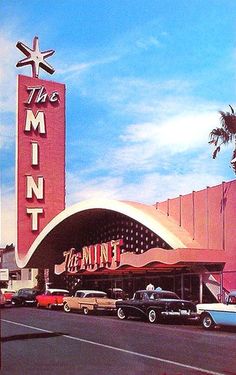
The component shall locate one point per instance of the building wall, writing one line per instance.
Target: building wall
(28, 279)
(19, 278)
(209, 216)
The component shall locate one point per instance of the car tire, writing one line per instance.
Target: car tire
(152, 316)
(85, 311)
(66, 308)
(207, 321)
(121, 314)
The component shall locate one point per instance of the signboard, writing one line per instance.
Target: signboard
(4, 274)
(91, 258)
(40, 157)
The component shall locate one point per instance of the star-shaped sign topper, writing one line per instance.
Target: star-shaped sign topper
(35, 57)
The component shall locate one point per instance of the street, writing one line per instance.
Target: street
(38, 341)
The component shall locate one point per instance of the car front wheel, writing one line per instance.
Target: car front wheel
(121, 314)
(207, 321)
(66, 308)
(85, 311)
(152, 316)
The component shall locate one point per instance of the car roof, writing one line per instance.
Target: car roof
(7, 290)
(57, 290)
(155, 291)
(89, 291)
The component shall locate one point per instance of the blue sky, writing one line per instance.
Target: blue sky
(145, 81)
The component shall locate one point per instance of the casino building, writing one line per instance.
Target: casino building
(185, 244)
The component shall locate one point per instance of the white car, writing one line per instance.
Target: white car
(212, 314)
(89, 301)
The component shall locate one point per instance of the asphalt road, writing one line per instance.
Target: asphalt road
(37, 341)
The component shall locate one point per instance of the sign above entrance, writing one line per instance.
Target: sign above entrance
(91, 257)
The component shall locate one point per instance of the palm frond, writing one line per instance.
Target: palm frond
(228, 122)
(219, 134)
(232, 110)
(225, 134)
(214, 154)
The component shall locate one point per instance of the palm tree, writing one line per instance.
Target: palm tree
(225, 134)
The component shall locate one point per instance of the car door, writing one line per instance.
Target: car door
(88, 301)
(45, 299)
(75, 302)
(138, 305)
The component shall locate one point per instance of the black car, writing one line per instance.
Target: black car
(156, 305)
(25, 297)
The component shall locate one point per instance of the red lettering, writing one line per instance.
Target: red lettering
(99, 255)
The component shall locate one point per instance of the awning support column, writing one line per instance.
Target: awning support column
(182, 286)
(200, 288)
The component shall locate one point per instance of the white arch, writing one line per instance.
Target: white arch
(144, 214)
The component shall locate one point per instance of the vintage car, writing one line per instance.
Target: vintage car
(8, 294)
(89, 300)
(25, 297)
(155, 306)
(212, 314)
(52, 298)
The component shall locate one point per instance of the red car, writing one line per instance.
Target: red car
(52, 298)
(8, 293)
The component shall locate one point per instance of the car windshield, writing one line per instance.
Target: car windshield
(27, 292)
(232, 300)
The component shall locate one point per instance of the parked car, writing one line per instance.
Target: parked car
(155, 306)
(25, 297)
(8, 294)
(212, 314)
(52, 298)
(89, 300)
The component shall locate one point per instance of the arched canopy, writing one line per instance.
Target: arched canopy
(61, 232)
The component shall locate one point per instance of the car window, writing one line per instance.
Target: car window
(79, 294)
(137, 295)
(232, 300)
(145, 296)
(100, 295)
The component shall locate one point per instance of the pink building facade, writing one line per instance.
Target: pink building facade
(209, 217)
